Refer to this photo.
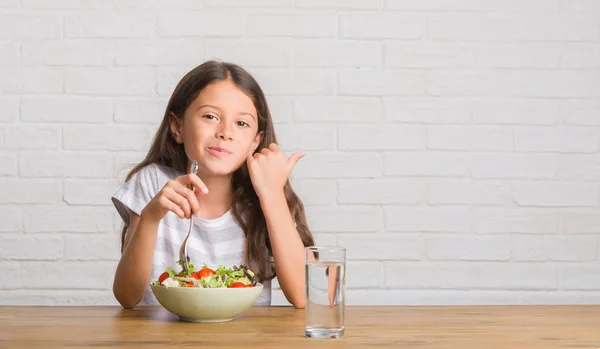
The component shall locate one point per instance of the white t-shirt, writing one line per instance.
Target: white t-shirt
(214, 242)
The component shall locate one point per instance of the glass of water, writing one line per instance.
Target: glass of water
(325, 291)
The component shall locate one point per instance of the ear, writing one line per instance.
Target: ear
(256, 142)
(176, 127)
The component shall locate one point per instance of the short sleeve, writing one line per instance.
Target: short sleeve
(135, 194)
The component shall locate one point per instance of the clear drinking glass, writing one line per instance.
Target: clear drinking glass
(325, 291)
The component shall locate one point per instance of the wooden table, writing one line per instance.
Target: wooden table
(524, 327)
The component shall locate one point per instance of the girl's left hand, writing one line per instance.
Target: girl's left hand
(269, 170)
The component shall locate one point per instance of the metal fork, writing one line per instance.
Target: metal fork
(183, 253)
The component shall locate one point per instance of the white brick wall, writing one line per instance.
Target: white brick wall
(452, 146)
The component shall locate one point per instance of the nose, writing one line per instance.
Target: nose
(225, 132)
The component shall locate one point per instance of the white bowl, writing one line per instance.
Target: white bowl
(196, 304)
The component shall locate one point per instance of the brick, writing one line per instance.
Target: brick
(88, 192)
(555, 194)
(159, 52)
(142, 111)
(440, 297)
(513, 27)
(9, 109)
(295, 82)
(91, 297)
(325, 239)
(580, 277)
(113, 25)
(27, 191)
(385, 137)
(364, 275)
(10, 276)
(202, 24)
(30, 81)
(293, 137)
(512, 112)
(11, 219)
(150, 5)
(516, 6)
(513, 166)
(292, 25)
(338, 54)
(340, 4)
(19, 247)
(35, 298)
(473, 275)
(250, 3)
(249, 53)
(90, 275)
(428, 5)
(434, 164)
(373, 25)
(380, 83)
(550, 84)
(427, 55)
(513, 55)
(563, 140)
(425, 110)
(448, 192)
(282, 109)
(381, 191)
(66, 110)
(516, 220)
(68, 4)
(30, 26)
(110, 81)
(69, 219)
(494, 248)
(584, 115)
(65, 164)
(581, 222)
(337, 109)
(534, 248)
(390, 247)
(343, 219)
(316, 192)
(574, 248)
(8, 164)
(167, 79)
(107, 138)
(579, 167)
(580, 6)
(554, 84)
(581, 55)
(92, 247)
(487, 83)
(31, 137)
(482, 138)
(8, 55)
(338, 165)
(410, 219)
(9, 3)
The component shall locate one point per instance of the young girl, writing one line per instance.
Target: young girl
(243, 207)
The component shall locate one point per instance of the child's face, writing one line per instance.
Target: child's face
(219, 128)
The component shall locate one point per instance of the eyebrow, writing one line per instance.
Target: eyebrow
(215, 107)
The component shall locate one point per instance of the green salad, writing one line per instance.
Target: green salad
(205, 277)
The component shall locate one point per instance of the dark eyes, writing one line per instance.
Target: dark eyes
(239, 123)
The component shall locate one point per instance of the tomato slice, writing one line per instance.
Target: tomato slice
(204, 272)
(238, 284)
(163, 277)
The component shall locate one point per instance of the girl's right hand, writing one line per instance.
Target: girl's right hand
(177, 197)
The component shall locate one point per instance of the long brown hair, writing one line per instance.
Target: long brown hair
(246, 206)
